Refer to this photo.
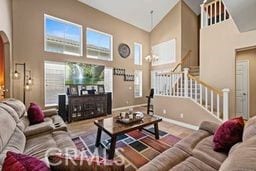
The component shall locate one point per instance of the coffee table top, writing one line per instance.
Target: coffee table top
(112, 127)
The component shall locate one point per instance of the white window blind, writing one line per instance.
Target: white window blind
(99, 45)
(138, 83)
(137, 54)
(62, 36)
(54, 81)
(108, 79)
(166, 52)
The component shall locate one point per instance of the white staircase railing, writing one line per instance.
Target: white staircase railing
(213, 13)
(181, 84)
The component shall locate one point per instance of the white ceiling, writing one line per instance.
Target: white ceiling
(243, 13)
(137, 12)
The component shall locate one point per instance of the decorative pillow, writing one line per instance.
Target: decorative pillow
(21, 162)
(60, 162)
(35, 114)
(249, 129)
(228, 134)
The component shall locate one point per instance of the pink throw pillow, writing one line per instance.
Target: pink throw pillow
(35, 114)
(228, 134)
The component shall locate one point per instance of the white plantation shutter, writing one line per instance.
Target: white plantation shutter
(137, 54)
(54, 81)
(138, 83)
(108, 79)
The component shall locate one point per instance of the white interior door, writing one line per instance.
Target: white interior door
(242, 90)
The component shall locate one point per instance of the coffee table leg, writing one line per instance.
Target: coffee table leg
(156, 131)
(112, 148)
(97, 144)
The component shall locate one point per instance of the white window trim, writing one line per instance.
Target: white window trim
(67, 22)
(141, 49)
(111, 44)
(141, 85)
(50, 105)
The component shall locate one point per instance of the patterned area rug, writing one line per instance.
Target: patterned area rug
(136, 148)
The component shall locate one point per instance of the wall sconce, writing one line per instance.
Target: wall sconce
(27, 78)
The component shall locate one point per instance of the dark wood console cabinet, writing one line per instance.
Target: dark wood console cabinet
(88, 106)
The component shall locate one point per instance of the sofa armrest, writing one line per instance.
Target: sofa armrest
(37, 129)
(50, 112)
(208, 126)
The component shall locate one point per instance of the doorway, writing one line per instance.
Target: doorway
(2, 69)
(242, 89)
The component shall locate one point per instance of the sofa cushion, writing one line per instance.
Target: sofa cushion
(249, 129)
(204, 152)
(35, 114)
(68, 163)
(228, 134)
(16, 144)
(192, 164)
(188, 144)
(11, 111)
(21, 162)
(37, 129)
(17, 105)
(38, 146)
(7, 127)
(166, 160)
(208, 126)
(242, 158)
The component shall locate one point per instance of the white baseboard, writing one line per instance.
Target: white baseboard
(182, 124)
(127, 107)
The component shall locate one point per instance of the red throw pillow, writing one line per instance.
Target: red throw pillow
(35, 114)
(228, 134)
(21, 162)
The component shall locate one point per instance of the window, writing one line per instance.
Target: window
(54, 82)
(99, 45)
(137, 54)
(62, 36)
(138, 83)
(108, 79)
(166, 52)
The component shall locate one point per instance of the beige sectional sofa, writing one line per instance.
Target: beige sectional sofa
(195, 152)
(18, 136)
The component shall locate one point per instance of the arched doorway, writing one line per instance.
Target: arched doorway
(5, 66)
(2, 70)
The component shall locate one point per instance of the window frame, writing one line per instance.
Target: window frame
(111, 44)
(141, 53)
(46, 16)
(141, 83)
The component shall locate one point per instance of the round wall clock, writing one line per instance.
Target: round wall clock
(124, 50)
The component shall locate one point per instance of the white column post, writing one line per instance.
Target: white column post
(202, 16)
(186, 81)
(225, 104)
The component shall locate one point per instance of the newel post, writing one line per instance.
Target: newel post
(225, 104)
(186, 81)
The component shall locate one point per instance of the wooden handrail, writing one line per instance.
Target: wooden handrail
(217, 91)
(182, 61)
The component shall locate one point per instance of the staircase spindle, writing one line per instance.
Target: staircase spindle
(211, 101)
(206, 98)
(218, 105)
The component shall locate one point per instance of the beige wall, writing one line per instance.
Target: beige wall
(190, 34)
(169, 28)
(218, 45)
(181, 23)
(193, 114)
(250, 55)
(29, 44)
(6, 34)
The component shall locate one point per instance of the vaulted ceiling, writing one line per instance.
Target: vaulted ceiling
(137, 12)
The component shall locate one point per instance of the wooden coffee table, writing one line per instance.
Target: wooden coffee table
(114, 128)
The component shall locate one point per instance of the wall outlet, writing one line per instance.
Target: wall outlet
(164, 111)
(130, 88)
(127, 102)
(181, 115)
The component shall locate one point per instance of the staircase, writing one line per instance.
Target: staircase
(187, 84)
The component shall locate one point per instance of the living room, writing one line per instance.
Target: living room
(91, 85)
